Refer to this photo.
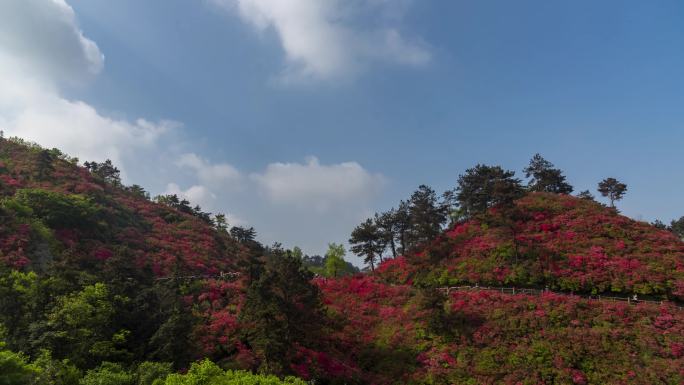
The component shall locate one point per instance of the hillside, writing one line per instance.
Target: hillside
(557, 242)
(89, 266)
(95, 277)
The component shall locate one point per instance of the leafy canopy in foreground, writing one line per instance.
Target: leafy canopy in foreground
(207, 373)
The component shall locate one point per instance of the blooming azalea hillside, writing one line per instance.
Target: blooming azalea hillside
(91, 220)
(95, 271)
(399, 335)
(101, 284)
(556, 241)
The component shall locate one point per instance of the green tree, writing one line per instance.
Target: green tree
(677, 227)
(58, 210)
(367, 242)
(108, 374)
(44, 163)
(427, 215)
(483, 187)
(172, 339)
(19, 296)
(388, 228)
(81, 326)
(612, 189)
(138, 191)
(208, 373)
(335, 264)
(586, 195)
(402, 225)
(545, 177)
(220, 222)
(297, 252)
(15, 368)
(243, 234)
(282, 310)
(56, 372)
(106, 171)
(149, 373)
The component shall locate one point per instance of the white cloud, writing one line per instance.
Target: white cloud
(317, 186)
(327, 39)
(42, 50)
(42, 36)
(197, 194)
(208, 173)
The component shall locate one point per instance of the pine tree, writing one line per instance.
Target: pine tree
(282, 310)
(45, 166)
(545, 177)
(586, 195)
(612, 189)
(388, 230)
(426, 215)
(367, 242)
(483, 187)
(402, 223)
(677, 227)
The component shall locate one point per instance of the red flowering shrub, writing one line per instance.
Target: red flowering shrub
(566, 243)
(508, 339)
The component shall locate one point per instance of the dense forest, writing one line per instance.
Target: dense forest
(102, 284)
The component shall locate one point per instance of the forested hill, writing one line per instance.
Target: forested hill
(100, 284)
(57, 211)
(558, 242)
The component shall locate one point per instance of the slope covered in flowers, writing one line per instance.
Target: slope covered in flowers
(71, 211)
(72, 243)
(400, 335)
(560, 242)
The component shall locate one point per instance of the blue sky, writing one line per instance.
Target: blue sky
(239, 96)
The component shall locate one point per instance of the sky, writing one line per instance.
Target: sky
(303, 117)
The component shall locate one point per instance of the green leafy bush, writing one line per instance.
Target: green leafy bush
(208, 373)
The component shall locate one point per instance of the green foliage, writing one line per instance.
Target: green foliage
(334, 260)
(208, 373)
(586, 195)
(54, 209)
(149, 373)
(108, 374)
(366, 241)
(81, 326)
(612, 189)
(545, 177)
(15, 368)
(282, 310)
(426, 215)
(483, 187)
(56, 372)
(45, 163)
(318, 265)
(677, 227)
(18, 295)
(105, 171)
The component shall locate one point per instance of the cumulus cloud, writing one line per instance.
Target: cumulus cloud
(318, 186)
(42, 36)
(208, 173)
(331, 39)
(197, 194)
(43, 50)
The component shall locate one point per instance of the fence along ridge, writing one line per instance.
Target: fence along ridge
(514, 290)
